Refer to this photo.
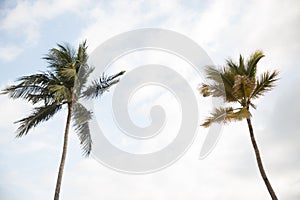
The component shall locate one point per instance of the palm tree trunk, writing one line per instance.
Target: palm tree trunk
(259, 162)
(64, 153)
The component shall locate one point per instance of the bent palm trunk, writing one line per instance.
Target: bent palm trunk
(259, 162)
(64, 153)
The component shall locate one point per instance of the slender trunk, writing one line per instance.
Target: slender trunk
(64, 154)
(259, 162)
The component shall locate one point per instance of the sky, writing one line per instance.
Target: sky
(224, 29)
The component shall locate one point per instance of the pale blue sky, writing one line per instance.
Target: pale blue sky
(28, 165)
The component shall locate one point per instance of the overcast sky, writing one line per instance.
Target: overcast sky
(28, 166)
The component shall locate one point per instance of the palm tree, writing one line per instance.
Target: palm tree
(237, 84)
(63, 85)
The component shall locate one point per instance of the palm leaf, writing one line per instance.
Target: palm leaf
(252, 63)
(81, 80)
(98, 87)
(233, 67)
(265, 83)
(213, 74)
(242, 113)
(38, 115)
(219, 115)
(81, 117)
(241, 68)
(214, 90)
(33, 88)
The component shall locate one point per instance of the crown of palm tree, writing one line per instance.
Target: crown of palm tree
(236, 83)
(63, 84)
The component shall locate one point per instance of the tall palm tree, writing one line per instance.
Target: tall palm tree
(63, 85)
(237, 84)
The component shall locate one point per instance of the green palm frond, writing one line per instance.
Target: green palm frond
(213, 74)
(61, 56)
(61, 61)
(232, 66)
(81, 80)
(39, 114)
(82, 55)
(241, 68)
(265, 83)
(220, 83)
(98, 87)
(252, 63)
(81, 117)
(33, 88)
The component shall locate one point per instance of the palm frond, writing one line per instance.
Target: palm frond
(62, 61)
(252, 63)
(81, 117)
(39, 114)
(241, 68)
(33, 88)
(233, 67)
(242, 113)
(219, 115)
(81, 79)
(220, 83)
(213, 74)
(224, 115)
(215, 90)
(82, 55)
(265, 83)
(98, 87)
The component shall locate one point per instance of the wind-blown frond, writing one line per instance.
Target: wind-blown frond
(60, 57)
(98, 87)
(224, 115)
(252, 63)
(33, 88)
(39, 114)
(215, 90)
(62, 62)
(219, 81)
(233, 67)
(81, 117)
(82, 77)
(82, 55)
(242, 113)
(219, 115)
(241, 68)
(213, 74)
(265, 83)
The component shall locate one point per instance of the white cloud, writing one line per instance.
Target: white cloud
(24, 20)
(10, 52)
